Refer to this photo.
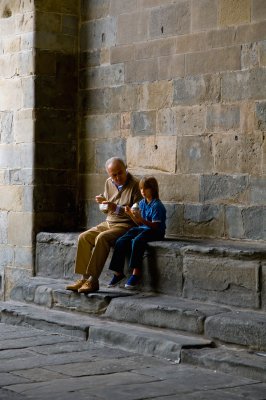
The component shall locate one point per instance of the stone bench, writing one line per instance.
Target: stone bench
(218, 271)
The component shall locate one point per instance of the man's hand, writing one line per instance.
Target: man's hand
(111, 206)
(100, 198)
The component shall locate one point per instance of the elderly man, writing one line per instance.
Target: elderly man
(121, 189)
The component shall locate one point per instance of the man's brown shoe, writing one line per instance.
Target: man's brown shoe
(89, 286)
(76, 285)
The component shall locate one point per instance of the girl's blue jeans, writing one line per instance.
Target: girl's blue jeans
(132, 244)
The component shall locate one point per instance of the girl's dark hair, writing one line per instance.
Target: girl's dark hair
(149, 182)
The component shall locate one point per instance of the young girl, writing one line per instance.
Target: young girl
(150, 219)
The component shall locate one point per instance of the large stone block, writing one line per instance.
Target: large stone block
(204, 14)
(249, 33)
(247, 117)
(91, 185)
(3, 227)
(237, 153)
(99, 126)
(6, 127)
(166, 121)
(141, 71)
(258, 190)
(90, 58)
(179, 188)
(183, 121)
(221, 188)
(152, 153)
(246, 222)
(244, 85)
(55, 255)
(171, 67)
(121, 54)
(90, 215)
(221, 118)
(191, 42)
(173, 19)
(98, 33)
(20, 228)
(234, 12)
(262, 53)
(258, 10)
(54, 199)
(98, 77)
(122, 6)
(222, 280)
(143, 123)
(6, 255)
(153, 3)
(70, 25)
(60, 6)
(106, 149)
(14, 276)
(156, 95)
(86, 156)
(24, 125)
(11, 95)
(94, 9)
(162, 270)
(132, 27)
(24, 257)
(56, 156)
(241, 328)
(11, 198)
(216, 60)
(194, 155)
(174, 219)
(190, 120)
(203, 220)
(249, 56)
(48, 22)
(261, 116)
(155, 48)
(196, 90)
(62, 125)
(55, 42)
(221, 37)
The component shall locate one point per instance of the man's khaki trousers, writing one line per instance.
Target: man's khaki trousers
(94, 246)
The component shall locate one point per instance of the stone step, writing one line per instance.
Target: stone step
(219, 271)
(220, 324)
(249, 364)
(169, 344)
(51, 293)
(136, 338)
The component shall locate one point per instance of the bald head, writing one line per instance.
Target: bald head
(116, 169)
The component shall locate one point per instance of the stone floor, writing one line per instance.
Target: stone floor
(39, 365)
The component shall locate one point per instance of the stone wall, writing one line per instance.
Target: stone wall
(38, 128)
(177, 88)
(16, 140)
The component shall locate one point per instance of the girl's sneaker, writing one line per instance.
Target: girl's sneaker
(133, 281)
(116, 279)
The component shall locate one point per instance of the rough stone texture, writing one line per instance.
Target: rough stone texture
(55, 255)
(239, 328)
(234, 12)
(222, 280)
(174, 87)
(233, 269)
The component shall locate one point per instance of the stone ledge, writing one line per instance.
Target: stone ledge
(220, 271)
(233, 361)
(164, 343)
